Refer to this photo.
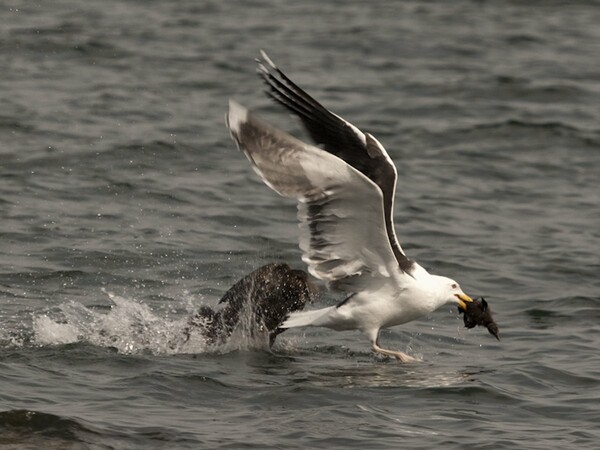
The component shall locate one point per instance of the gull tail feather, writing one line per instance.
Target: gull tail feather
(315, 318)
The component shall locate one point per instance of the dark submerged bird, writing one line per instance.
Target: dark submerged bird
(478, 312)
(261, 301)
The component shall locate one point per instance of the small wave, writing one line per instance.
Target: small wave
(21, 428)
(393, 375)
(14, 124)
(550, 128)
(553, 128)
(35, 421)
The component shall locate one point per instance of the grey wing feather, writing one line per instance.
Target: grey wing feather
(343, 236)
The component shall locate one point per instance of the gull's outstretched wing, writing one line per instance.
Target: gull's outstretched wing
(339, 137)
(343, 236)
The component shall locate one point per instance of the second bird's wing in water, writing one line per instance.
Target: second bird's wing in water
(343, 236)
(339, 137)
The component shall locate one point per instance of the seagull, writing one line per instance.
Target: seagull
(345, 186)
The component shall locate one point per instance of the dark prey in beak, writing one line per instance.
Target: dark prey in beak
(479, 313)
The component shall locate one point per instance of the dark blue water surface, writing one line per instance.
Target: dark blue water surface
(125, 206)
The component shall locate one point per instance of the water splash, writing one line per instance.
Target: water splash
(132, 327)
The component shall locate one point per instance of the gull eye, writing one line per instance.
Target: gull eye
(454, 286)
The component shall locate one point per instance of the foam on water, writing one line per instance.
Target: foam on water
(132, 327)
(129, 326)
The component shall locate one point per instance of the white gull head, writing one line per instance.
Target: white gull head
(448, 291)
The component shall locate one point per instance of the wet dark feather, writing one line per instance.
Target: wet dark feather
(266, 296)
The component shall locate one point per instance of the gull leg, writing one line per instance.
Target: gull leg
(400, 356)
